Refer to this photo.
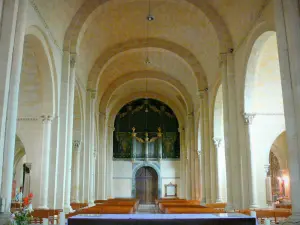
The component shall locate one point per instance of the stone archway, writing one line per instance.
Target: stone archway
(136, 168)
(146, 182)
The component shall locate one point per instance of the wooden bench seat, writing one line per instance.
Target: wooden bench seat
(187, 210)
(163, 206)
(76, 206)
(216, 205)
(107, 209)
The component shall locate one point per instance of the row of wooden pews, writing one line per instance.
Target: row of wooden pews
(182, 206)
(274, 215)
(110, 206)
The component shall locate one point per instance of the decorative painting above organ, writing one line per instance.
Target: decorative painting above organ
(143, 141)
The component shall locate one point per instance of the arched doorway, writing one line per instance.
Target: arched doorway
(146, 180)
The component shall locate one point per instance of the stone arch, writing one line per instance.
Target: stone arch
(19, 151)
(89, 9)
(176, 49)
(150, 75)
(253, 68)
(133, 96)
(136, 167)
(48, 55)
(263, 100)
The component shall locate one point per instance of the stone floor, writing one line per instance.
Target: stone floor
(147, 209)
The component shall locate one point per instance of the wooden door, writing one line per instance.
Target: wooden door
(146, 185)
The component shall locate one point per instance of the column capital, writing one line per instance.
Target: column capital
(248, 118)
(111, 128)
(201, 94)
(76, 145)
(47, 118)
(181, 129)
(73, 57)
(92, 93)
(190, 115)
(217, 142)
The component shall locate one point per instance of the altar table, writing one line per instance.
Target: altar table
(163, 219)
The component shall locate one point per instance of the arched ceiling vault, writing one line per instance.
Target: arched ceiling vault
(191, 29)
(89, 7)
(150, 75)
(118, 103)
(180, 51)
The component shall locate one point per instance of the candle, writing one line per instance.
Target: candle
(45, 221)
(62, 218)
(267, 222)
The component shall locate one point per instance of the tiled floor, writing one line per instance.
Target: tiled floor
(147, 209)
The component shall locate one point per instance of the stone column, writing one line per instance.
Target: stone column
(182, 163)
(92, 102)
(92, 187)
(248, 119)
(76, 169)
(71, 92)
(12, 31)
(109, 163)
(191, 124)
(198, 172)
(269, 197)
(102, 157)
(197, 177)
(219, 169)
(232, 151)
(44, 179)
(63, 120)
(288, 36)
(205, 145)
(202, 176)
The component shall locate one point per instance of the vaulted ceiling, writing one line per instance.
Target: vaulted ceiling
(113, 39)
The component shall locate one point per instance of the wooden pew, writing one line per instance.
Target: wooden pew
(163, 206)
(76, 206)
(157, 201)
(216, 205)
(39, 214)
(99, 201)
(132, 202)
(273, 214)
(106, 209)
(187, 210)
